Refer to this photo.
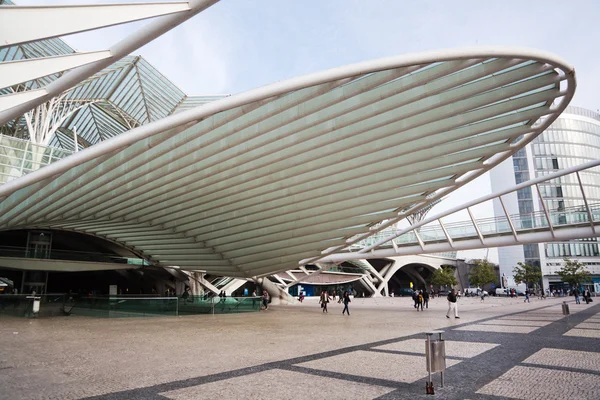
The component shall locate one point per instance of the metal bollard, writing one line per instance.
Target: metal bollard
(435, 357)
(565, 308)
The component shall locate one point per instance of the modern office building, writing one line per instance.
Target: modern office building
(573, 139)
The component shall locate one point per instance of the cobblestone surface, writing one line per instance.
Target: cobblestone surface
(588, 333)
(530, 383)
(588, 325)
(375, 365)
(529, 317)
(268, 384)
(566, 358)
(498, 328)
(513, 322)
(284, 348)
(453, 349)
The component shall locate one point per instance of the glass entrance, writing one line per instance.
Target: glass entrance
(39, 244)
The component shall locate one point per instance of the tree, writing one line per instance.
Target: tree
(527, 273)
(574, 272)
(444, 277)
(481, 273)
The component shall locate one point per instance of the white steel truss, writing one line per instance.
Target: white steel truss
(250, 184)
(435, 236)
(23, 24)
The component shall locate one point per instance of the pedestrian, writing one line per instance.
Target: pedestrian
(426, 298)
(587, 296)
(185, 295)
(346, 302)
(576, 294)
(452, 304)
(526, 296)
(415, 297)
(333, 295)
(265, 299)
(419, 300)
(324, 300)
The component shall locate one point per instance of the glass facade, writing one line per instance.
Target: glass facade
(573, 139)
(525, 199)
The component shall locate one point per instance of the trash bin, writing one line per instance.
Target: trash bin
(437, 357)
(36, 305)
(565, 308)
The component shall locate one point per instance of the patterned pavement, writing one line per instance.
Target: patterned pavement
(499, 351)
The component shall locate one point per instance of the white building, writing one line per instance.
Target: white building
(574, 138)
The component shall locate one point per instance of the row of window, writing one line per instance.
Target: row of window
(570, 190)
(565, 150)
(590, 177)
(575, 125)
(546, 163)
(589, 135)
(572, 250)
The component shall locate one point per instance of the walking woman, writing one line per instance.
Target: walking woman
(324, 300)
(346, 301)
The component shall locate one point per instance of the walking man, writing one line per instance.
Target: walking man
(587, 296)
(452, 304)
(265, 299)
(346, 299)
(415, 297)
(576, 294)
(426, 298)
(324, 300)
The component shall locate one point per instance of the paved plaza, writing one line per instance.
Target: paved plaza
(502, 348)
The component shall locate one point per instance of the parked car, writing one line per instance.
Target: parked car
(404, 292)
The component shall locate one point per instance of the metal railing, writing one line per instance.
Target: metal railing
(433, 235)
(133, 306)
(69, 255)
(572, 216)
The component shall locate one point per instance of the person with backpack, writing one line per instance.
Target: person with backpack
(346, 299)
(420, 300)
(452, 304)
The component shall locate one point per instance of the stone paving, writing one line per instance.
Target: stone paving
(295, 352)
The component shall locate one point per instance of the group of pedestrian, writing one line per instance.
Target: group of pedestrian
(325, 298)
(587, 296)
(421, 299)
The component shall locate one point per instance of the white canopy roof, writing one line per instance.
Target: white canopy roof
(251, 184)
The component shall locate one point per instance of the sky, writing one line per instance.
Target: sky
(237, 45)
